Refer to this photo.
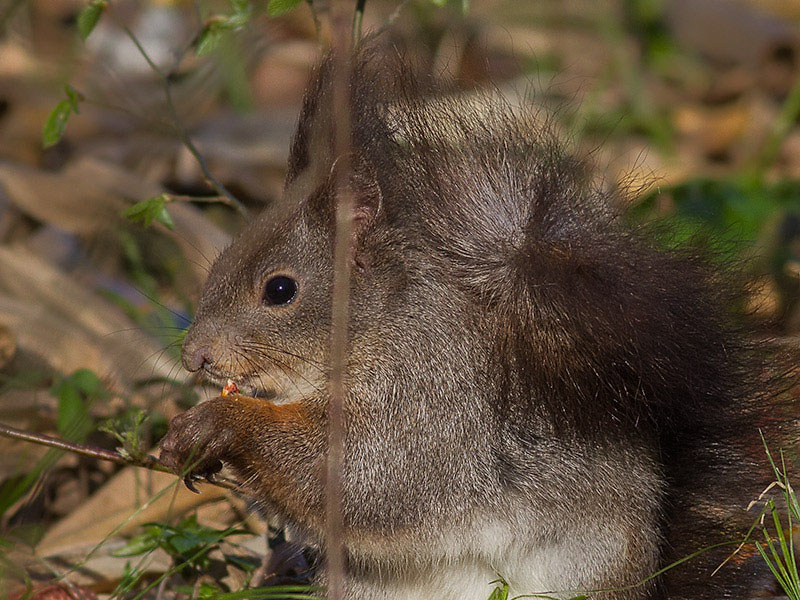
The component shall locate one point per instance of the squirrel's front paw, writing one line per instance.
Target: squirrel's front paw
(197, 442)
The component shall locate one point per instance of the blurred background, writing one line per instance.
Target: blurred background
(112, 167)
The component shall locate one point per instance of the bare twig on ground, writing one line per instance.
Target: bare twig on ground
(148, 462)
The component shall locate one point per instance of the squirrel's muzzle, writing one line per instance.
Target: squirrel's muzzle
(196, 358)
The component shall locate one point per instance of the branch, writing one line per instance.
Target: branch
(231, 200)
(148, 462)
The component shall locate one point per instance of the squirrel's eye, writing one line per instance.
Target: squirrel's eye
(280, 290)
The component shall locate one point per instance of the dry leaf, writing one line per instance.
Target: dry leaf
(132, 497)
(70, 326)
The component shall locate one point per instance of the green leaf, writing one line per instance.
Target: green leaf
(279, 7)
(75, 394)
(208, 591)
(89, 16)
(220, 25)
(501, 592)
(57, 120)
(127, 430)
(210, 37)
(74, 97)
(248, 564)
(88, 383)
(242, 11)
(56, 123)
(145, 542)
(239, 18)
(152, 209)
(277, 592)
(71, 410)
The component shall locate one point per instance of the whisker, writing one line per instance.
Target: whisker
(262, 346)
(288, 372)
(175, 314)
(262, 351)
(158, 354)
(252, 367)
(285, 367)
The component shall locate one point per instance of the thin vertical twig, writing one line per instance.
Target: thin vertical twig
(318, 8)
(342, 38)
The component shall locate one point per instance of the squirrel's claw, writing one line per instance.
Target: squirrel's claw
(189, 480)
(208, 473)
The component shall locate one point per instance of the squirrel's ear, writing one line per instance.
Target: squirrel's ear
(367, 196)
(363, 186)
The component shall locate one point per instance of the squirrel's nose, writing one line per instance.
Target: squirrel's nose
(196, 359)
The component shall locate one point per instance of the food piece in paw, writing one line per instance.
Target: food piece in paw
(230, 388)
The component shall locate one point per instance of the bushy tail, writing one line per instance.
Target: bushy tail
(716, 473)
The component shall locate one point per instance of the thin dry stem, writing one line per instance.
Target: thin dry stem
(319, 13)
(358, 19)
(148, 462)
(342, 68)
(183, 134)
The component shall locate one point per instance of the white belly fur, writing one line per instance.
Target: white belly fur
(560, 570)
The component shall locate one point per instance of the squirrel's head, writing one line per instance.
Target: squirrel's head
(264, 298)
(264, 316)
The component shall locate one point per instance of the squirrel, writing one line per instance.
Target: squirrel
(535, 390)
